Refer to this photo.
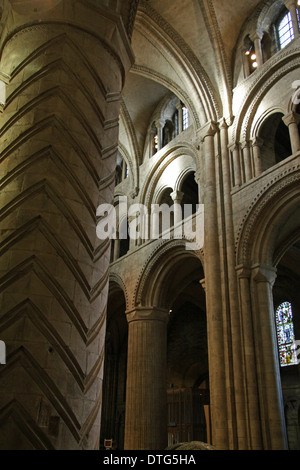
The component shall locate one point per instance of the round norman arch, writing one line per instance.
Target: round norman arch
(169, 269)
(266, 80)
(272, 223)
(149, 190)
(209, 106)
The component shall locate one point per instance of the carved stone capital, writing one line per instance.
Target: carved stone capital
(256, 35)
(263, 273)
(177, 196)
(257, 142)
(147, 314)
(291, 118)
(243, 272)
(208, 130)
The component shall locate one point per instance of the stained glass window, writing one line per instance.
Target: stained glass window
(285, 334)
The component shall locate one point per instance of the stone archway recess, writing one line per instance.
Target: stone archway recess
(269, 229)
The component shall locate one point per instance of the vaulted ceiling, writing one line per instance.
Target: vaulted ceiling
(186, 47)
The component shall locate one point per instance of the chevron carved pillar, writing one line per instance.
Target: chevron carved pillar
(63, 64)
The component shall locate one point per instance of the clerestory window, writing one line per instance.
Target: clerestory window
(285, 29)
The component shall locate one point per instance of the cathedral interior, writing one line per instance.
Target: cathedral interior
(149, 337)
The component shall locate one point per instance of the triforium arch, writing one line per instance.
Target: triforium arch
(177, 159)
(259, 102)
(269, 230)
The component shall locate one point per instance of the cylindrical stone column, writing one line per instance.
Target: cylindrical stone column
(160, 126)
(236, 165)
(146, 396)
(256, 37)
(178, 213)
(248, 359)
(256, 146)
(247, 161)
(65, 64)
(291, 121)
(234, 342)
(271, 401)
(215, 320)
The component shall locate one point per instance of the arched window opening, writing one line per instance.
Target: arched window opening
(124, 238)
(122, 170)
(166, 217)
(283, 147)
(276, 141)
(250, 59)
(168, 132)
(190, 198)
(285, 30)
(170, 119)
(285, 335)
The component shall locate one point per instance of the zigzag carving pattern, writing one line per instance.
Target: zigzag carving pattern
(59, 132)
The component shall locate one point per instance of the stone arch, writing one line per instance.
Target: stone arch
(275, 142)
(159, 273)
(279, 67)
(162, 194)
(261, 21)
(208, 104)
(189, 189)
(150, 187)
(271, 224)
